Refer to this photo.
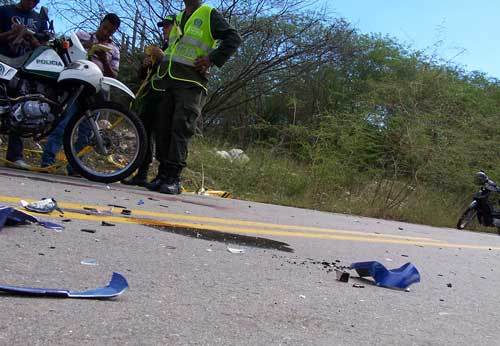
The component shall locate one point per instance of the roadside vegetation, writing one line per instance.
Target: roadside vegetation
(332, 119)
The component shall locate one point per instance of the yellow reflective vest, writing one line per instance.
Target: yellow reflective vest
(185, 47)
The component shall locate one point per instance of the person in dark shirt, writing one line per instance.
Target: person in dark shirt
(18, 24)
(15, 40)
(147, 100)
(200, 38)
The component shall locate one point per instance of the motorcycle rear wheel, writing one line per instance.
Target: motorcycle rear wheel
(466, 218)
(123, 135)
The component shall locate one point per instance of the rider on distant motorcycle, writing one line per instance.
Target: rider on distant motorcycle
(482, 179)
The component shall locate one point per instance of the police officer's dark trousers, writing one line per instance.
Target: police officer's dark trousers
(175, 124)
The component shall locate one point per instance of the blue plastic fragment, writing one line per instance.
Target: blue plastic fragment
(11, 217)
(399, 278)
(116, 287)
(51, 225)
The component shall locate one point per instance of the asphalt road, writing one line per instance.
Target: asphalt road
(186, 288)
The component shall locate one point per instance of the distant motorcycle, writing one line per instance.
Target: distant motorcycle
(483, 205)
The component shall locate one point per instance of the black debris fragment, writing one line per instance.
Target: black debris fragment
(88, 230)
(405, 256)
(153, 199)
(67, 190)
(52, 247)
(441, 300)
(163, 206)
(342, 276)
(358, 286)
(449, 285)
(41, 254)
(126, 212)
(94, 210)
(401, 228)
(108, 224)
(66, 220)
(116, 206)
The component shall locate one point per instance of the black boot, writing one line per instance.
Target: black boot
(155, 184)
(140, 179)
(171, 186)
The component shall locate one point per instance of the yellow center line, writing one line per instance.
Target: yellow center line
(256, 231)
(231, 222)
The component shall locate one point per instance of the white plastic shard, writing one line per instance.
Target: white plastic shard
(235, 251)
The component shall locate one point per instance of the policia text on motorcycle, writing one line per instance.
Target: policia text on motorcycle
(200, 38)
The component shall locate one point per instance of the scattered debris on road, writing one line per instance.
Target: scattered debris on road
(88, 230)
(140, 202)
(235, 251)
(117, 206)
(342, 276)
(12, 217)
(43, 206)
(358, 286)
(302, 296)
(116, 287)
(399, 278)
(107, 224)
(126, 212)
(89, 262)
(449, 285)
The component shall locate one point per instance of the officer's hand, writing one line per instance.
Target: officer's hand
(202, 64)
(155, 53)
(147, 61)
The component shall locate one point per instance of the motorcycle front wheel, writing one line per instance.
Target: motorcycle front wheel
(105, 143)
(466, 218)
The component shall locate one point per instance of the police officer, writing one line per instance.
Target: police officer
(146, 103)
(200, 38)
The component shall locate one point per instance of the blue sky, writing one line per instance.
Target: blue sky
(463, 32)
(469, 30)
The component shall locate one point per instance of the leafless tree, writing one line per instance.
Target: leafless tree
(282, 40)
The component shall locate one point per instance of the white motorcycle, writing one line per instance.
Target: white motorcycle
(103, 141)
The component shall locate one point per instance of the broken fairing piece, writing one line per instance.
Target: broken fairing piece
(44, 206)
(235, 251)
(399, 278)
(13, 217)
(342, 276)
(116, 287)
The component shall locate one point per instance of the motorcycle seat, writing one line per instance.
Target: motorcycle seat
(14, 62)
